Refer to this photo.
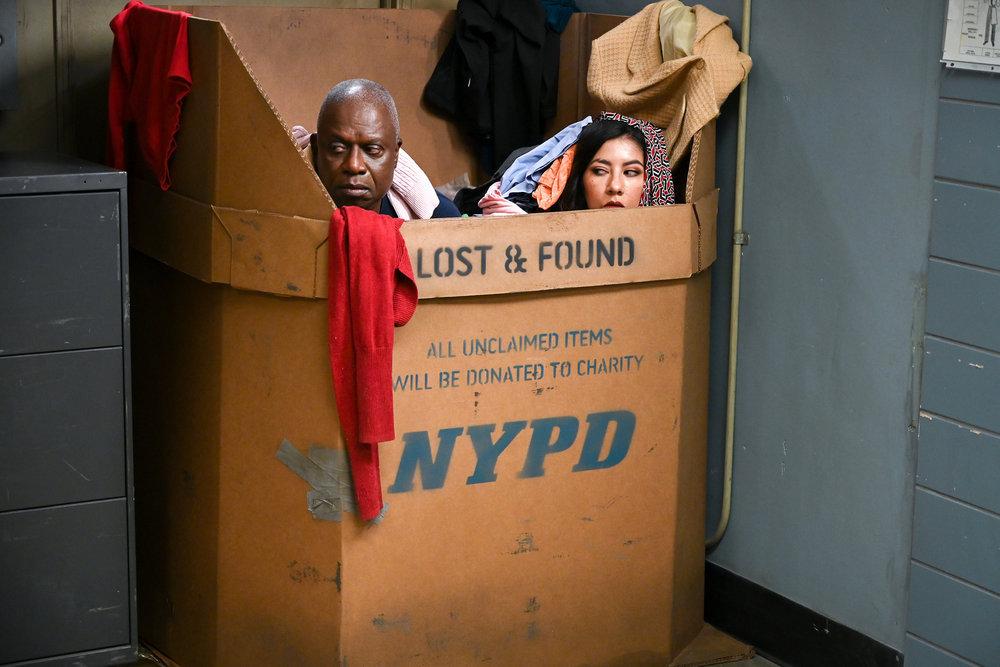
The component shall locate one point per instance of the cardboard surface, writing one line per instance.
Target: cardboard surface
(574, 101)
(560, 545)
(287, 255)
(712, 647)
(232, 148)
(279, 45)
(546, 486)
(454, 571)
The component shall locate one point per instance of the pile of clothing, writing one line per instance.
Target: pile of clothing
(533, 180)
(666, 70)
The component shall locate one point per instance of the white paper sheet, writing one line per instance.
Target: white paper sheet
(971, 39)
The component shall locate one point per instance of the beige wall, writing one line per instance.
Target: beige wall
(64, 49)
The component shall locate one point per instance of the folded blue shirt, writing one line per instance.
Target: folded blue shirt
(523, 175)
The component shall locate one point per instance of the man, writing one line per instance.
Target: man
(357, 150)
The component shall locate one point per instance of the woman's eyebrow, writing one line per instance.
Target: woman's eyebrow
(625, 164)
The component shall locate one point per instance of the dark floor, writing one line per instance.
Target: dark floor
(756, 661)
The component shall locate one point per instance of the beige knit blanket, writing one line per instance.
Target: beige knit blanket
(629, 75)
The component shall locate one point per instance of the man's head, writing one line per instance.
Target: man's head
(357, 143)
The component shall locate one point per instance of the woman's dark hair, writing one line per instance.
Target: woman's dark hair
(588, 143)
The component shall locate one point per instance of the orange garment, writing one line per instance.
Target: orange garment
(553, 181)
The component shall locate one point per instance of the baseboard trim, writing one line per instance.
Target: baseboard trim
(785, 631)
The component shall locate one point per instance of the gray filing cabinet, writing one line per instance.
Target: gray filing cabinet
(67, 563)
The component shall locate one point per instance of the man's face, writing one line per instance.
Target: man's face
(356, 151)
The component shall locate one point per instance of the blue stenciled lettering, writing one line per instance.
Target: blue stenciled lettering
(548, 436)
(597, 431)
(542, 444)
(417, 451)
(411, 382)
(487, 451)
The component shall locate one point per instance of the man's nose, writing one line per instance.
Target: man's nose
(354, 163)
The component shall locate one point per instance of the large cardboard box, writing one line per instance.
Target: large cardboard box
(546, 489)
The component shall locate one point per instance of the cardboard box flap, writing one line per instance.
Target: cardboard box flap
(706, 210)
(272, 253)
(700, 177)
(173, 229)
(233, 148)
(546, 251)
(287, 255)
(279, 48)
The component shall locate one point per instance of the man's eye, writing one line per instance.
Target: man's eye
(374, 150)
(337, 148)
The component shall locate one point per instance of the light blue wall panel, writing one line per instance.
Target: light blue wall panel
(957, 616)
(956, 525)
(963, 303)
(921, 654)
(968, 85)
(962, 383)
(957, 538)
(965, 225)
(839, 176)
(968, 144)
(960, 462)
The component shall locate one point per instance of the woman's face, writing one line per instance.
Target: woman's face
(614, 178)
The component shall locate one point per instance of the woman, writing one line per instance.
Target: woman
(614, 162)
(608, 169)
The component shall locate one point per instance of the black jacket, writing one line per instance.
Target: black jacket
(498, 76)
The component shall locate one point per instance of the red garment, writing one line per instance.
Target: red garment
(371, 290)
(150, 76)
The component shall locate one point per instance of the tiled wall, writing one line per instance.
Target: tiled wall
(954, 600)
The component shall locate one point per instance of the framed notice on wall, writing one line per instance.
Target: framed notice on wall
(970, 35)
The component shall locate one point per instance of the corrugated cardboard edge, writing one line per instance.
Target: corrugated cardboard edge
(240, 154)
(712, 647)
(277, 115)
(287, 255)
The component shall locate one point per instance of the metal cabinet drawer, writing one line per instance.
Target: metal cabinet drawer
(65, 583)
(60, 272)
(62, 428)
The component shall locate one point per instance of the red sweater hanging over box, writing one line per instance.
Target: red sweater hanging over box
(371, 291)
(150, 76)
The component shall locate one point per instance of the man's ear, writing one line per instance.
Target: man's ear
(313, 143)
